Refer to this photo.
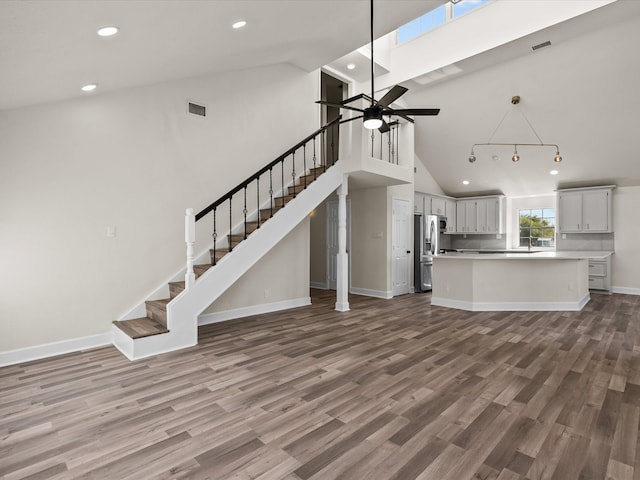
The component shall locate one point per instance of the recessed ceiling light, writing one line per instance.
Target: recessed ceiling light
(90, 87)
(108, 31)
(239, 24)
(351, 66)
(465, 182)
(553, 172)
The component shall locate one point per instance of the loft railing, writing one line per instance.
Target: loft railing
(244, 208)
(384, 146)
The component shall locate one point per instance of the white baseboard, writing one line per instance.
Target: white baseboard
(318, 285)
(371, 293)
(511, 306)
(37, 352)
(626, 290)
(216, 317)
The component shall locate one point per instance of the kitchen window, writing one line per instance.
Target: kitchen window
(537, 227)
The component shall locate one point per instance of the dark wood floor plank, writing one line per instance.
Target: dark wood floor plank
(393, 389)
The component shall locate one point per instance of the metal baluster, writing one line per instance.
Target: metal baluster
(282, 181)
(244, 211)
(332, 148)
(323, 152)
(304, 164)
(230, 225)
(373, 137)
(258, 198)
(397, 143)
(389, 140)
(215, 237)
(293, 173)
(271, 192)
(314, 158)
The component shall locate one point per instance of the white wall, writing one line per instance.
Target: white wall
(133, 160)
(280, 276)
(626, 261)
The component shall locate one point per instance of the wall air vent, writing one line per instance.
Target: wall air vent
(196, 109)
(541, 45)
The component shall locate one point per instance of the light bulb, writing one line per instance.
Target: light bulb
(472, 158)
(372, 123)
(557, 158)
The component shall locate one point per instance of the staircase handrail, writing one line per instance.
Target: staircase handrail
(265, 169)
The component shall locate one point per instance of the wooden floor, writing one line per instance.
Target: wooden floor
(393, 389)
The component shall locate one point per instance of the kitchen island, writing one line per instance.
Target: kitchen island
(513, 281)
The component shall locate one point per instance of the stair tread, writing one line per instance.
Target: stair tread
(162, 303)
(141, 327)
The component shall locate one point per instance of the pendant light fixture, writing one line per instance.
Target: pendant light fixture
(515, 100)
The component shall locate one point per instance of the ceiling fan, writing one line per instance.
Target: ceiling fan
(373, 114)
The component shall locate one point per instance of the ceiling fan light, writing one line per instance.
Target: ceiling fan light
(372, 118)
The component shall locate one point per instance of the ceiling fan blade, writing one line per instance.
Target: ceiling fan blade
(350, 119)
(392, 95)
(384, 128)
(338, 105)
(411, 111)
(356, 97)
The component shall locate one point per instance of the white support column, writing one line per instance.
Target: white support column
(189, 238)
(342, 270)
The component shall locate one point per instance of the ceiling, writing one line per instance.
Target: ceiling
(49, 49)
(580, 93)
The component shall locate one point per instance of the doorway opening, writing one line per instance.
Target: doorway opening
(332, 90)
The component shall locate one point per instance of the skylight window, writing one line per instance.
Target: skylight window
(435, 18)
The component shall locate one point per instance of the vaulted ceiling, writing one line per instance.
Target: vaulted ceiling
(580, 93)
(49, 49)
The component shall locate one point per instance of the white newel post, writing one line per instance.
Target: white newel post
(342, 273)
(189, 238)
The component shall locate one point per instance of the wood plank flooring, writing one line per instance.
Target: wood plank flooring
(394, 389)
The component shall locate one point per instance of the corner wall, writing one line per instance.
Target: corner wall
(133, 160)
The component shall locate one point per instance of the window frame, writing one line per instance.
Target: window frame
(543, 217)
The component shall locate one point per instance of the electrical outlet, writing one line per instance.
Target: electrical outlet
(267, 292)
(564, 236)
(111, 232)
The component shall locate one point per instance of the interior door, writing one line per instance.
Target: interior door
(401, 246)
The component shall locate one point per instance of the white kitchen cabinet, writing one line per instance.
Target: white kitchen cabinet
(595, 210)
(480, 215)
(438, 205)
(418, 203)
(466, 216)
(450, 213)
(600, 274)
(495, 214)
(585, 210)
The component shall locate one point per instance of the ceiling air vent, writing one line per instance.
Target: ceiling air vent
(541, 45)
(196, 109)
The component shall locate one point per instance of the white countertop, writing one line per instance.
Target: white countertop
(558, 255)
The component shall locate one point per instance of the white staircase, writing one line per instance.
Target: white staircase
(182, 311)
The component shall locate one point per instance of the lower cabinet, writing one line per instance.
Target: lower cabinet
(600, 274)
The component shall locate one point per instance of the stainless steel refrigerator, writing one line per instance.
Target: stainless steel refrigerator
(428, 241)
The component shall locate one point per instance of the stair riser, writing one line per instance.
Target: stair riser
(218, 255)
(157, 314)
(296, 189)
(174, 291)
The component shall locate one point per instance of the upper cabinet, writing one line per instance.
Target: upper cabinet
(585, 210)
(480, 215)
(465, 215)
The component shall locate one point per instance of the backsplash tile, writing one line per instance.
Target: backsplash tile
(586, 241)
